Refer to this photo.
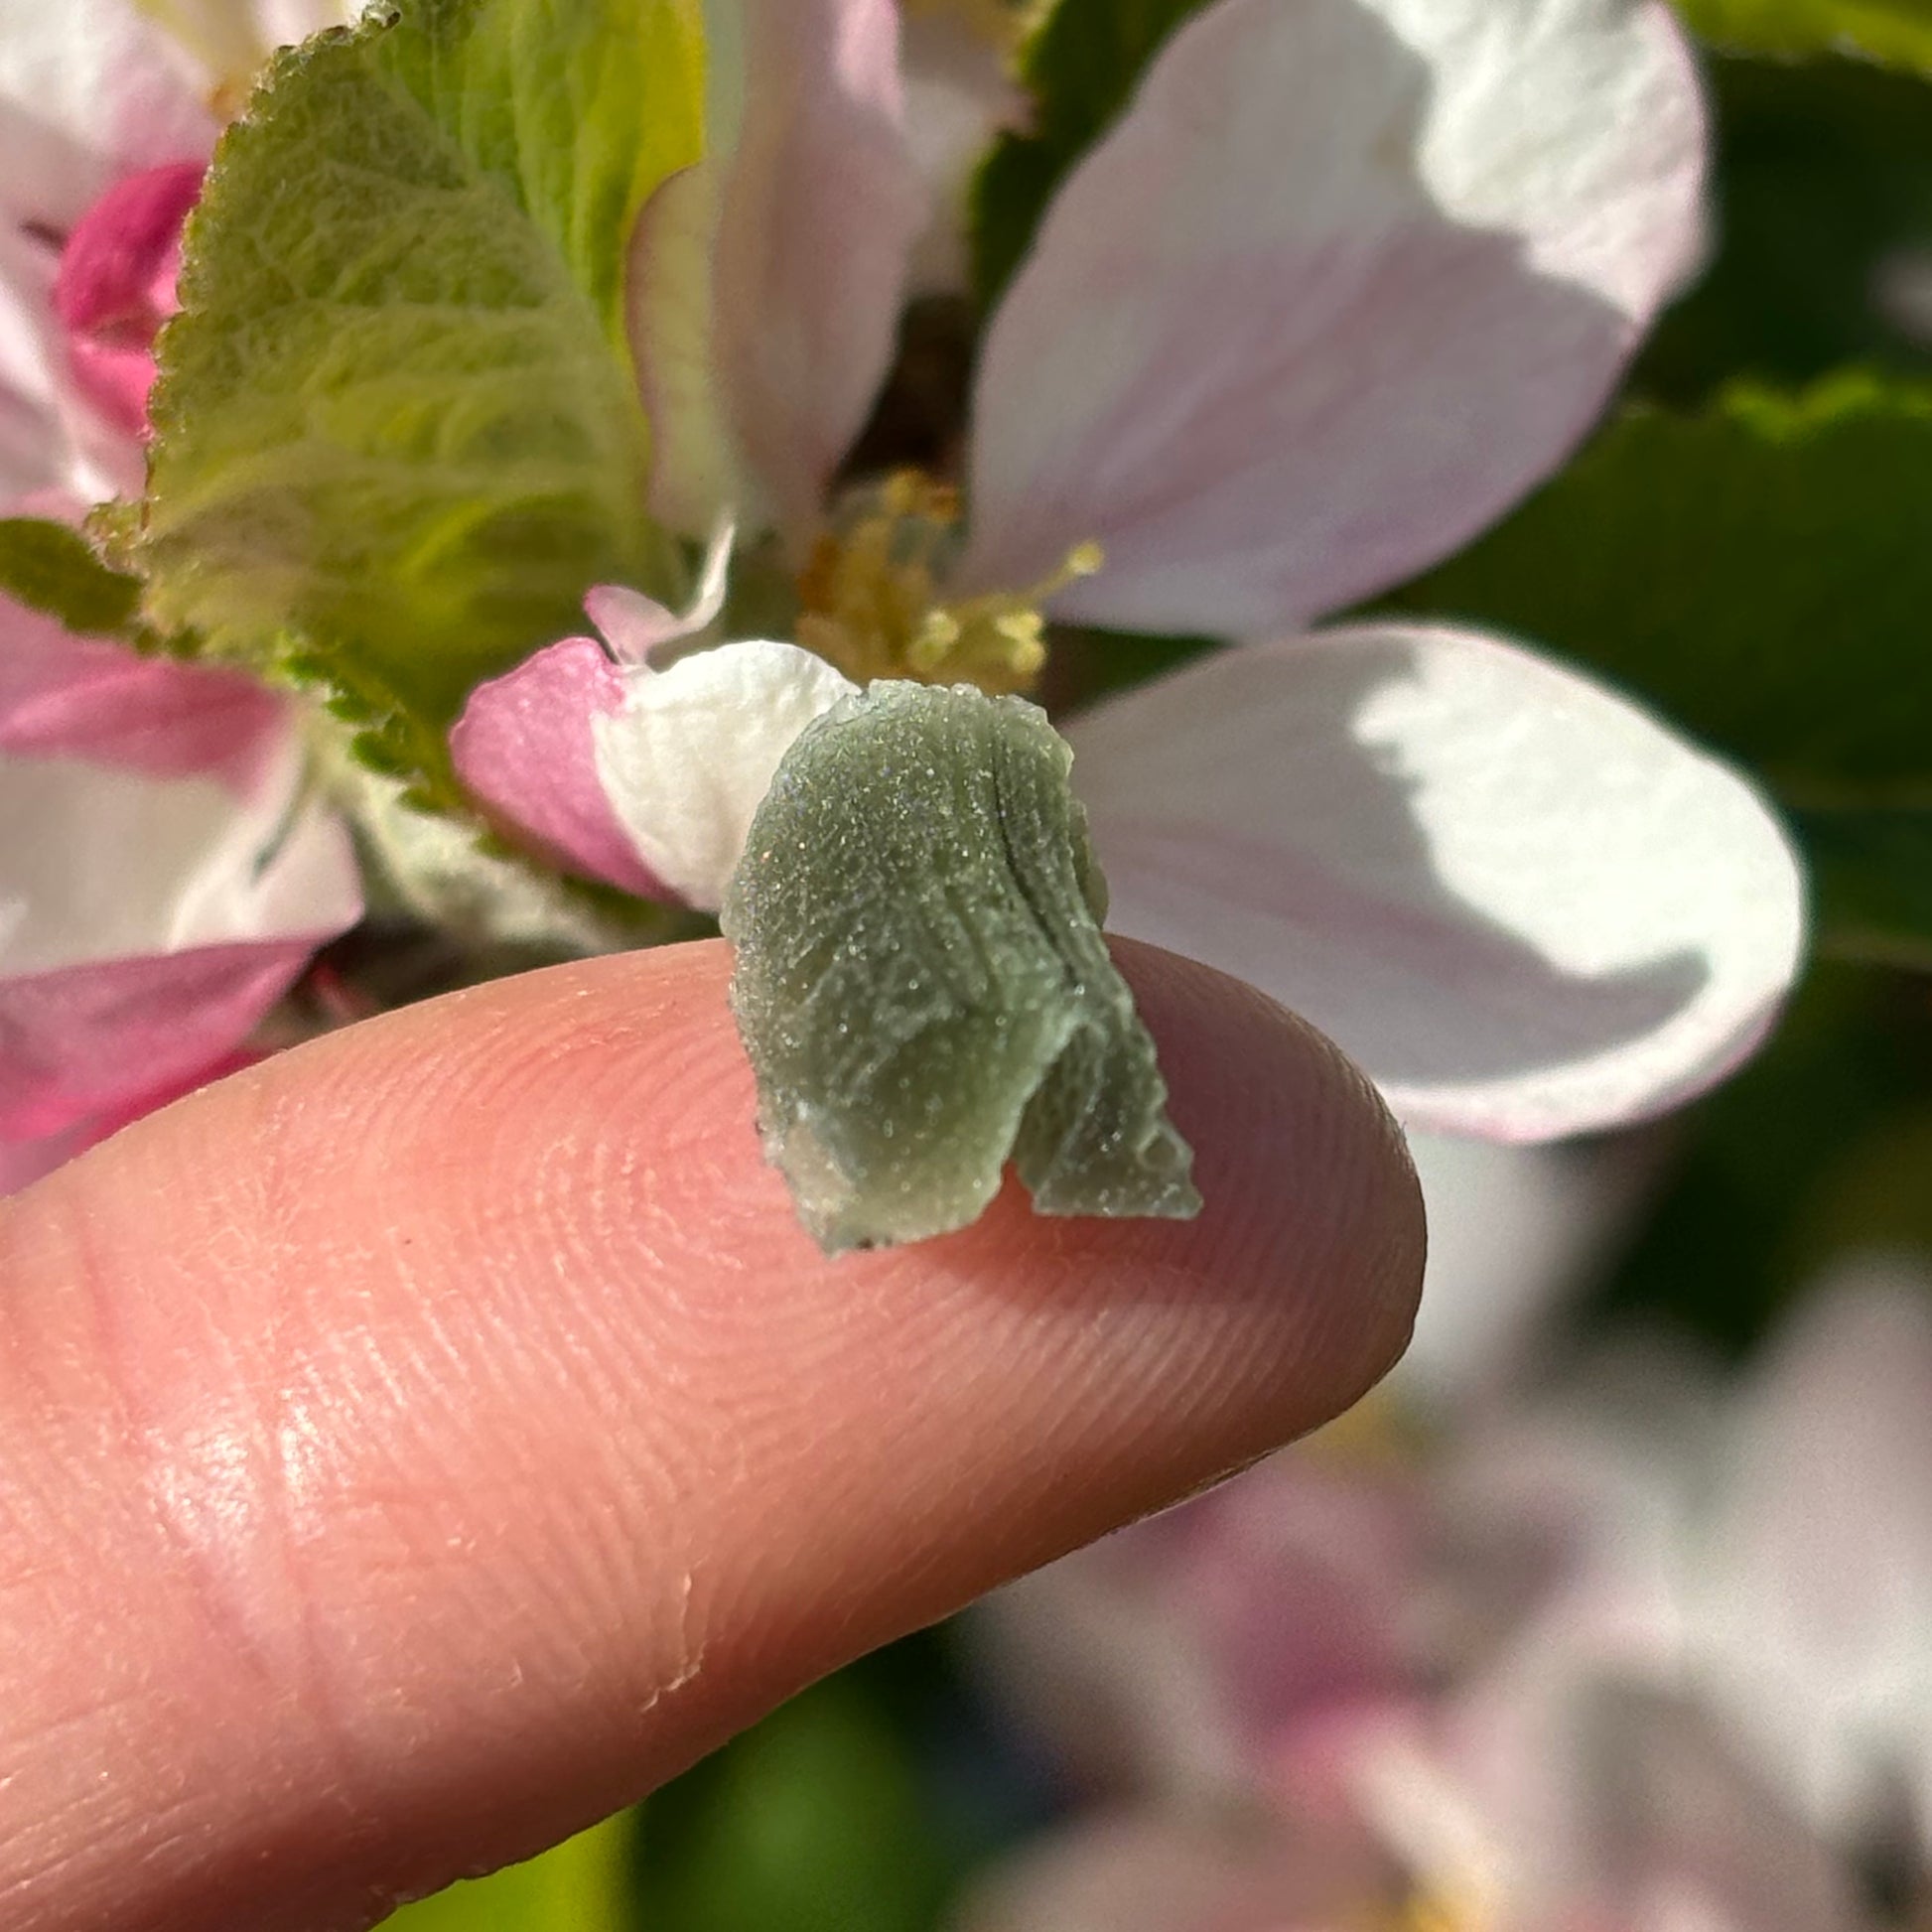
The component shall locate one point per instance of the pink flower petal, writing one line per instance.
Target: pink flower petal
(73, 1042)
(1349, 277)
(1225, 1646)
(51, 443)
(1525, 908)
(63, 696)
(636, 626)
(116, 286)
(23, 1161)
(91, 91)
(801, 266)
(524, 745)
(147, 924)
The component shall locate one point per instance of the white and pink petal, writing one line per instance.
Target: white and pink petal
(766, 283)
(91, 699)
(1522, 905)
(526, 750)
(1346, 280)
(690, 755)
(1156, 1869)
(91, 91)
(147, 924)
(1813, 1602)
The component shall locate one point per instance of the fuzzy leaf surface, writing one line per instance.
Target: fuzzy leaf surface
(398, 415)
(52, 569)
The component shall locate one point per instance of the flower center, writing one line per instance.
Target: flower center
(871, 603)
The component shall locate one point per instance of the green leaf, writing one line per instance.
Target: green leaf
(1874, 1196)
(1083, 68)
(1823, 188)
(1759, 1163)
(581, 1885)
(1872, 872)
(921, 983)
(396, 416)
(1896, 31)
(1759, 571)
(52, 569)
(814, 1821)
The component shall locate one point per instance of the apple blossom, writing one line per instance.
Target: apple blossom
(1343, 283)
(1438, 1651)
(1654, 1824)
(165, 871)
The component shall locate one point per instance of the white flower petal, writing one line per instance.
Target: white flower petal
(1514, 1233)
(147, 922)
(636, 627)
(89, 91)
(960, 96)
(1525, 908)
(103, 863)
(58, 454)
(1349, 277)
(687, 759)
(1816, 1595)
(766, 282)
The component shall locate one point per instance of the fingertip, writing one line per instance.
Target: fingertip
(491, 1439)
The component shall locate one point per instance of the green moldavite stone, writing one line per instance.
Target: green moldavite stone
(921, 983)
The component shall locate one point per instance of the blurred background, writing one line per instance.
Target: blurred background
(1612, 1610)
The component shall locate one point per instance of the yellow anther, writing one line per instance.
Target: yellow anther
(1423, 1909)
(872, 602)
(1427, 1913)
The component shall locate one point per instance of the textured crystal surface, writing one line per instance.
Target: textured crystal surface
(922, 981)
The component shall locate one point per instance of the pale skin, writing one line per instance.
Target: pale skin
(432, 1440)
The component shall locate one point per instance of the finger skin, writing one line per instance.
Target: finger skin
(436, 1436)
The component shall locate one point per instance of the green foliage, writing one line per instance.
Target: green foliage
(1824, 188)
(1083, 68)
(1897, 32)
(813, 1822)
(1760, 572)
(1873, 1196)
(583, 1885)
(1770, 1176)
(52, 569)
(1872, 880)
(922, 984)
(396, 416)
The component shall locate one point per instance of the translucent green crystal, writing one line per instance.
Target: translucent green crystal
(922, 981)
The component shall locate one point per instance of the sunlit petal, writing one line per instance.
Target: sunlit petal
(1525, 908)
(1347, 279)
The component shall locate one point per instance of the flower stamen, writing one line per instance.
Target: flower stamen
(872, 605)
